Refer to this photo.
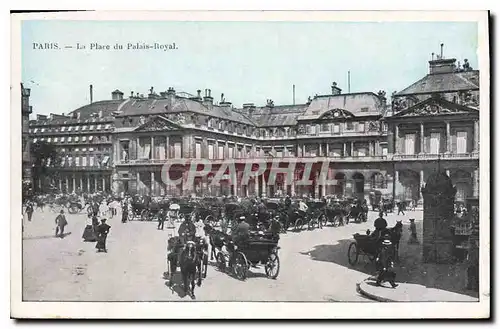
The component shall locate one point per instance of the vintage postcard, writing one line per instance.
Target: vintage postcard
(250, 165)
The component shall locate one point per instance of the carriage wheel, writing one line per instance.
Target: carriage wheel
(353, 253)
(298, 224)
(220, 261)
(273, 266)
(144, 215)
(240, 266)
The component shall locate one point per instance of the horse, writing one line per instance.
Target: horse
(396, 233)
(216, 239)
(189, 263)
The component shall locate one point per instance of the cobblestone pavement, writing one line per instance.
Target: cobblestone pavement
(314, 265)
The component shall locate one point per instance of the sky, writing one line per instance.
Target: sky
(249, 62)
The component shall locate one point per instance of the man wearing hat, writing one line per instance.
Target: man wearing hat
(380, 225)
(187, 230)
(240, 234)
(61, 223)
(102, 235)
(385, 263)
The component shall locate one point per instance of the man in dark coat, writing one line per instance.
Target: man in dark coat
(61, 223)
(102, 235)
(385, 264)
(29, 210)
(161, 219)
(380, 225)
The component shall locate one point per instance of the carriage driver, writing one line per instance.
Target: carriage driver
(380, 225)
(240, 235)
(187, 230)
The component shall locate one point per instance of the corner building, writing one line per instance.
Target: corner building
(435, 126)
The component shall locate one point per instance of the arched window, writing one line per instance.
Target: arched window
(378, 181)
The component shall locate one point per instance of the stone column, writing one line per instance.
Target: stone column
(316, 185)
(327, 150)
(88, 183)
(152, 147)
(60, 184)
(264, 186)
(74, 183)
(396, 144)
(422, 181)
(234, 181)
(422, 138)
(475, 183)
(323, 188)
(448, 137)
(137, 149)
(476, 136)
(345, 149)
(256, 185)
(320, 149)
(152, 182)
(111, 183)
(81, 182)
(370, 149)
(167, 147)
(303, 150)
(396, 183)
(67, 184)
(138, 182)
(292, 187)
(95, 183)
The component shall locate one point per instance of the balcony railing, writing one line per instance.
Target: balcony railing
(440, 156)
(262, 158)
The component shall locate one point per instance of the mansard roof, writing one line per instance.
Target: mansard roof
(443, 82)
(358, 104)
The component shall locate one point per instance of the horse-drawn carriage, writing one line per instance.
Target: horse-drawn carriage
(191, 257)
(358, 211)
(335, 213)
(261, 248)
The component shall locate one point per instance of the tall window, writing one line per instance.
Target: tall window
(325, 127)
(77, 161)
(211, 151)
(220, 152)
(230, 152)
(198, 150)
(384, 150)
(279, 153)
(461, 142)
(361, 127)
(410, 144)
(177, 150)
(349, 125)
(336, 128)
(435, 137)
(84, 161)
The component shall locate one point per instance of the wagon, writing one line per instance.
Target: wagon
(261, 249)
(364, 245)
(334, 213)
(175, 246)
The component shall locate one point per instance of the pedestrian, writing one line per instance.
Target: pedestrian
(161, 219)
(102, 235)
(61, 222)
(29, 210)
(413, 232)
(89, 231)
(401, 208)
(385, 264)
(124, 212)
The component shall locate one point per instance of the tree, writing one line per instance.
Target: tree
(44, 157)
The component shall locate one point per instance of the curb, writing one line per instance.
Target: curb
(372, 296)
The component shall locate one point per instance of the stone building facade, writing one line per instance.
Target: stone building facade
(26, 110)
(435, 126)
(83, 140)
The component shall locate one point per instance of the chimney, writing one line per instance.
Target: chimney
(208, 101)
(100, 114)
(336, 90)
(116, 95)
(170, 98)
(41, 117)
(249, 108)
(442, 66)
(198, 92)
(270, 103)
(152, 94)
(381, 96)
(91, 94)
(131, 94)
(78, 115)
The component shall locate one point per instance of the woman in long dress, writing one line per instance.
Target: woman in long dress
(89, 232)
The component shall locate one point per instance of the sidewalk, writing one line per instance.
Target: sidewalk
(408, 292)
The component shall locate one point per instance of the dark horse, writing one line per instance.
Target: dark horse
(216, 238)
(396, 233)
(188, 264)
